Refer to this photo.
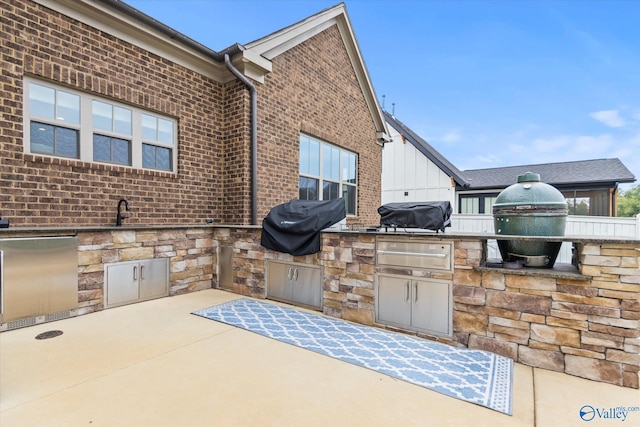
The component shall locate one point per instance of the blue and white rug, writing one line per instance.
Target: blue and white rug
(475, 376)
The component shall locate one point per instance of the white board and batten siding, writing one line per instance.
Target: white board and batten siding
(409, 176)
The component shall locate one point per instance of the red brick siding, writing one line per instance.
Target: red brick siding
(39, 190)
(313, 89)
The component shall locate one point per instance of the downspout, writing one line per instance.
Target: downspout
(254, 138)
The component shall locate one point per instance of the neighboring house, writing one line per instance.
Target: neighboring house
(412, 170)
(102, 102)
(589, 186)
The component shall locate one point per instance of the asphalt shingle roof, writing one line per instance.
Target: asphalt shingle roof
(562, 173)
(576, 173)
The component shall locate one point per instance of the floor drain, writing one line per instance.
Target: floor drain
(48, 334)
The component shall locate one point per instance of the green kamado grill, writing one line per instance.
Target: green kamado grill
(530, 208)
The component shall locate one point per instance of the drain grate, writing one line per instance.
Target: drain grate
(48, 334)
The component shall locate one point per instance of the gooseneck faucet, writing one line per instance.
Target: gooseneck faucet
(121, 216)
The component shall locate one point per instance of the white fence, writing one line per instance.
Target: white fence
(591, 226)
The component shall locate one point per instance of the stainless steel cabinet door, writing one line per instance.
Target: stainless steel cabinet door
(295, 283)
(154, 274)
(431, 306)
(279, 285)
(307, 286)
(121, 280)
(394, 301)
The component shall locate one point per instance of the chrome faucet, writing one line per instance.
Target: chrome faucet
(120, 216)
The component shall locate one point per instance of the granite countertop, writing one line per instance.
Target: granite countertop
(423, 234)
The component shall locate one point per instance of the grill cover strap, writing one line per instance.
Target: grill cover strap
(433, 216)
(294, 227)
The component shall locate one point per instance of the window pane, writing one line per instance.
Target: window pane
(330, 190)
(349, 167)
(67, 142)
(314, 157)
(470, 205)
(163, 158)
(122, 120)
(148, 156)
(121, 151)
(308, 188)
(330, 162)
(165, 131)
(335, 163)
(304, 155)
(149, 125)
(101, 148)
(326, 161)
(41, 138)
(68, 107)
(488, 205)
(349, 195)
(102, 118)
(41, 101)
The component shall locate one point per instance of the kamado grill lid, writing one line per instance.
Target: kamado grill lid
(529, 194)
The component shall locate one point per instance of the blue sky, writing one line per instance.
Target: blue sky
(487, 83)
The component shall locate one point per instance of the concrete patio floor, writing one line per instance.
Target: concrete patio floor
(155, 364)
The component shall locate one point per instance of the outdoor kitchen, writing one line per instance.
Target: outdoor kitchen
(580, 319)
(408, 275)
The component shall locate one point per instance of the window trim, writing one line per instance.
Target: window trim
(86, 130)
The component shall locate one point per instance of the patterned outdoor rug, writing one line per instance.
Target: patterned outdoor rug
(475, 376)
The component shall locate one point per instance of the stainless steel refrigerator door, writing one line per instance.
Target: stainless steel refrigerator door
(39, 276)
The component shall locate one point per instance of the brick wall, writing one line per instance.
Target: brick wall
(40, 190)
(313, 89)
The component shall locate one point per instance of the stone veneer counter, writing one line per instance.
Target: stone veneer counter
(582, 320)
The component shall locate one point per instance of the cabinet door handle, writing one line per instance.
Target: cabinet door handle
(135, 272)
(290, 273)
(295, 275)
(142, 272)
(415, 292)
(407, 292)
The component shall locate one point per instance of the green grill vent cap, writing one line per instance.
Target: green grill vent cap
(529, 177)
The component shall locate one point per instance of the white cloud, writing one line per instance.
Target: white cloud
(551, 145)
(487, 159)
(451, 136)
(571, 147)
(610, 118)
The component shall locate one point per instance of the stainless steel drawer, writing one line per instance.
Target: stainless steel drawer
(427, 255)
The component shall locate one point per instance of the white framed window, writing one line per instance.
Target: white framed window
(327, 172)
(62, 122)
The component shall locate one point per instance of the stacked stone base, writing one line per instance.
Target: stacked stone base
(583, 325)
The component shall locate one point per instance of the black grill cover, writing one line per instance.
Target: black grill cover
(294, 227)
(428, 215)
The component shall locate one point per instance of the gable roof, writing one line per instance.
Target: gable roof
(583, 173)
(280, 41)
(425, 148)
